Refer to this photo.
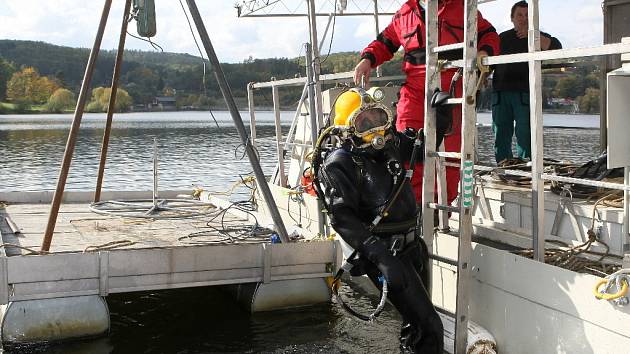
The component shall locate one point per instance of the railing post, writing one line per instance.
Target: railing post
(536, 123)
(312, 22)
(252, 113)
(432, 82)
(282, 181)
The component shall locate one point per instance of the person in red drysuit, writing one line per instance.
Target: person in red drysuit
(407, 29)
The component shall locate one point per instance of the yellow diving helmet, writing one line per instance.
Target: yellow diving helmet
(363, 111)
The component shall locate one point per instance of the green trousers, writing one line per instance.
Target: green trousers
(510, 114)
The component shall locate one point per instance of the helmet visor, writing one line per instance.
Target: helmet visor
(370, 119)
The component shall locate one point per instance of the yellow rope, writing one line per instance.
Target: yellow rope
(244, 181)
(11, 245)
(108, 245)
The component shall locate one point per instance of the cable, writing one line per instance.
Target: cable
(153, 44)
(203, 61)
(332, 34)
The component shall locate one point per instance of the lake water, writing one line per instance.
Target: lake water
(194, 152)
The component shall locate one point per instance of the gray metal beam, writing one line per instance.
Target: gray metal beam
(238, 121)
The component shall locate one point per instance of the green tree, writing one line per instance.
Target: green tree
(100, 100)
(6, 71)
(142, 84)
(60, 100)
(26, 86)
(569, 87)
(589, 102)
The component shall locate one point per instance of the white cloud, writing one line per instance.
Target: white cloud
(74, 23)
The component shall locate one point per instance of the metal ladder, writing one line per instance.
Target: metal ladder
(466, 156)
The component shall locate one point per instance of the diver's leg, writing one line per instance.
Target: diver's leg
(408, 295)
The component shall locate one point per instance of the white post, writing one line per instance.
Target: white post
(536, 123)
(466, 184)
(252, 113)
(282, 181)
(432, 82)
(312, 22)
(378, 31)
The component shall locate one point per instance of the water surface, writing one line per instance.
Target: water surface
(194, 152)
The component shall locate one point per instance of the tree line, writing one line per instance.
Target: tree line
(39, 73)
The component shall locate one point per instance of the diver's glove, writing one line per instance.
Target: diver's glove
(444, 114)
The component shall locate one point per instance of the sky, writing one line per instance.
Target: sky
(576, 23)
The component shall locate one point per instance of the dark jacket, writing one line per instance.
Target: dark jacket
(515, 76)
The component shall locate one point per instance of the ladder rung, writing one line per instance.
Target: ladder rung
(446, 48)
(443, 259)
(454, 155)
(449, 208)
(458, 100)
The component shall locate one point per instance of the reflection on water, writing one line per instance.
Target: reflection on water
(193, 151)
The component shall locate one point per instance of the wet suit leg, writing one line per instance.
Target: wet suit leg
(422, 328)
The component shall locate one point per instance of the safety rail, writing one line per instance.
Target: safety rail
(434, 159)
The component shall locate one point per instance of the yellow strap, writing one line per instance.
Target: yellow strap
(606, 296)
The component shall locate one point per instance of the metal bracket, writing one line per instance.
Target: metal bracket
(4, 281)
(103, 282)
(266, 262)
(566, 204)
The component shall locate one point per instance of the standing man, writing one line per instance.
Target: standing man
(510, 96)
(408, 30)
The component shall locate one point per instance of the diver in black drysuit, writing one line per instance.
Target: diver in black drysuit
(359, 181)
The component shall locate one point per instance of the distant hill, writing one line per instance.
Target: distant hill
(146, 74)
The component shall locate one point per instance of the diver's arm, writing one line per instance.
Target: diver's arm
(340, 177)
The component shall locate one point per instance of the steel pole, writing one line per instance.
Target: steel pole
(112, 100)
(238, 122)
(312, 22)
(74, 130)
(378, 31)
(310, 84)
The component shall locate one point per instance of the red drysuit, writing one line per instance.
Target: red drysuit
(407, 29)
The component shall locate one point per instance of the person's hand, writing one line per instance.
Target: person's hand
(362, 71)
(521, 32)
(545, 42)
(483, 68)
